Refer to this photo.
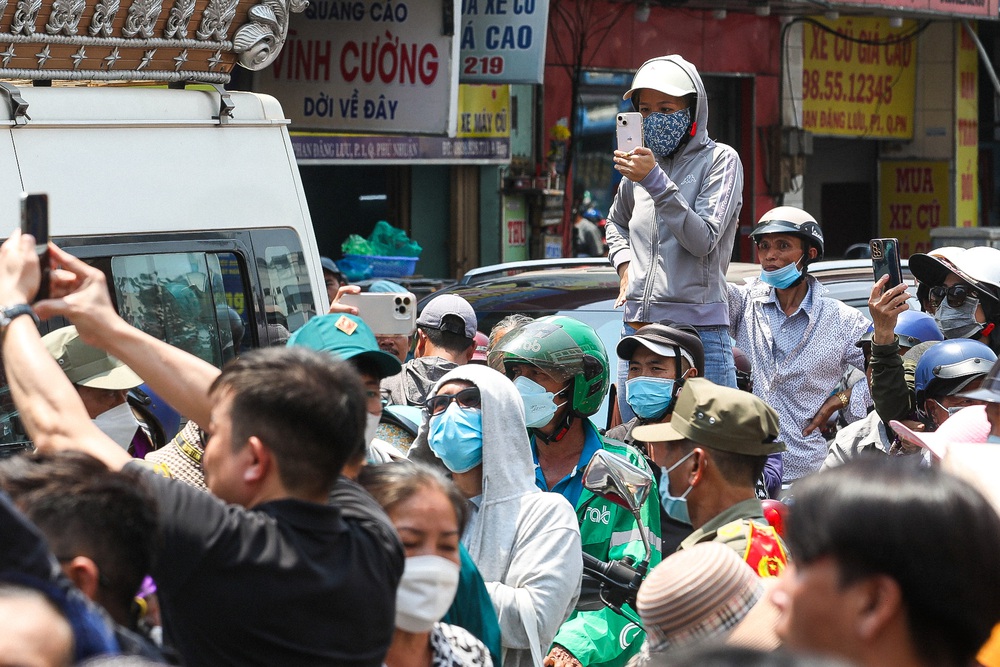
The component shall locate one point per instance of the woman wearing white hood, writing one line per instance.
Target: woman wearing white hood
(526, 543)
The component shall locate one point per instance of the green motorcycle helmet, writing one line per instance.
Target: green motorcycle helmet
(567, 350)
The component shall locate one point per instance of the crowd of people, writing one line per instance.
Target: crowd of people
(291, 522)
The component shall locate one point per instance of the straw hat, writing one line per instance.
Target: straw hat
(702, 593)
(181, 457)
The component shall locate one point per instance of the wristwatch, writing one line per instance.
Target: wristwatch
(8, 313)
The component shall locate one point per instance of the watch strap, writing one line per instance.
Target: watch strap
(8, 313)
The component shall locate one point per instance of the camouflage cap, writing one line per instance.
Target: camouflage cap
(721, 418)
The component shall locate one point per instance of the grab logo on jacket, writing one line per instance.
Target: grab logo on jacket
(599, 514)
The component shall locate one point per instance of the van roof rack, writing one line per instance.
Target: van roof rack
(148, 40)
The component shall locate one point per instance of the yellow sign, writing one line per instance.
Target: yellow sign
(483, 111)
(914, 198)
(855, 88)
(966, 130)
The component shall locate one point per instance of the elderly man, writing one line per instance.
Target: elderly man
(103, 383)
(862, 536)
(715, 448)
(266, 572)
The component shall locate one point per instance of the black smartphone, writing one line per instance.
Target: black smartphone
(885, 260)
(35, 221)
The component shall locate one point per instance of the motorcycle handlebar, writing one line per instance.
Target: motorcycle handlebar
(615, 573)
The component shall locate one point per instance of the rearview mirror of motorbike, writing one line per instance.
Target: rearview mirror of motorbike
(612, 477)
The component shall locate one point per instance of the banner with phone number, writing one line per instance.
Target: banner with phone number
(503, 41)
(864, 88)
(914, 198)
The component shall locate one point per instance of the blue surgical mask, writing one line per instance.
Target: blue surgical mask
(456, 437)
(782, 278)
(539, 403)
(993, 440)
(649, 397)
(676, 507)
(663, 132)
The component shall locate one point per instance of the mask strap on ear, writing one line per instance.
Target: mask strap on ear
(561, 430)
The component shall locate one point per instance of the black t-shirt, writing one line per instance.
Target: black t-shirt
(287, 583)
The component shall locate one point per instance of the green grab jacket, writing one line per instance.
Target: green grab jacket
(605, 638)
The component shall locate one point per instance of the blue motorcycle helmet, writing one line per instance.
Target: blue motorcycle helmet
(915, 327)
(949, 366)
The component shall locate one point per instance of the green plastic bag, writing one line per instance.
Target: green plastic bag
(356, 245)
(388, 241)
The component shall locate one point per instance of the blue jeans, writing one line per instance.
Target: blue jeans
(719, 365)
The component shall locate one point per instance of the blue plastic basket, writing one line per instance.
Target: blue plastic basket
(385, 267)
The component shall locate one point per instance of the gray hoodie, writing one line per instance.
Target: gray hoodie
(677, 227)
(526, 543)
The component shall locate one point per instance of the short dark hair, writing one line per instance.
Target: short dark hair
(741, 469)
(890, 517)
(395, 482)
(306, 406)
(84, 509)
(447, 340)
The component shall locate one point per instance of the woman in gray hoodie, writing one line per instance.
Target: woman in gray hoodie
(526, 543)
(673, 222)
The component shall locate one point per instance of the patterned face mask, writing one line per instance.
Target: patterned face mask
(663, 132)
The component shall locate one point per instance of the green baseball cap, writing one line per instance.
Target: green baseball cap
(721, 418)
(88, 366)
(347, 337)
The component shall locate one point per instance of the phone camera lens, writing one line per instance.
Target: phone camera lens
(398, 300)
(406, 301)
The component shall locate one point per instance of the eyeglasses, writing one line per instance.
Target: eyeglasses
(956, 294)
(467, 398)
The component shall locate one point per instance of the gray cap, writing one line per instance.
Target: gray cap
(88, 366)
(449, 312)
(330, 265)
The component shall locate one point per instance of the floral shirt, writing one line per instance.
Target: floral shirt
(797, 361)
(456, 647)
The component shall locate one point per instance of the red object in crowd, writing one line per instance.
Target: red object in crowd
(775, 512)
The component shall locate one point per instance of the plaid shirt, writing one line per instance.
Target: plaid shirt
(797, 361)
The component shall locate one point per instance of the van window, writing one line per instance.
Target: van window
(184, 299)
(288, 297)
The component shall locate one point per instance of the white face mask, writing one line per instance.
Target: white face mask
(425, 592)
(371, 425)
(119, 424)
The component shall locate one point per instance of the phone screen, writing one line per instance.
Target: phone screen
(35, 221)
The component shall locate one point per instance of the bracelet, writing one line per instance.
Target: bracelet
(843, 399)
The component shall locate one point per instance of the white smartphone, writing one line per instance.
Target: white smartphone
(387, 313)
(628, 126)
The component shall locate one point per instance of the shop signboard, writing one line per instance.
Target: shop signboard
(986, 9)
(377, 67)
(966, 130)
(483, 137)
(856, 88)
(503, 41)
(515, 229)
(914, 198)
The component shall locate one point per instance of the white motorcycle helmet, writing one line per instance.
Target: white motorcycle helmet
(663, 74)
(933, 267)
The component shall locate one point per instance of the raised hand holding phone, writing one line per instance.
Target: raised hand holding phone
(35, 221)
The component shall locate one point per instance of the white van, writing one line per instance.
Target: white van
(197, 218)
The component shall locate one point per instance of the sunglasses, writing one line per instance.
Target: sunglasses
(956, 295)
(467, 398)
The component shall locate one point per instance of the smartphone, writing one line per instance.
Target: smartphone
(385, 313)
(35, 221)
(885, 260)
(628, 126)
